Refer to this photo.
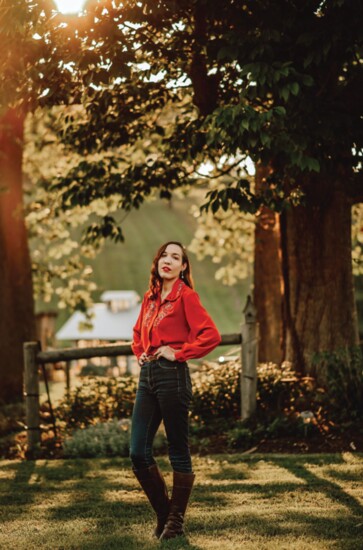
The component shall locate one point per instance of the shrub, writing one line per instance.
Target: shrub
(103, 439)
(12, 417)
(240, 437)
(282, 396)
(281, 391)
(98, 399)
(341, 372)
(216, 392)
(106, 439)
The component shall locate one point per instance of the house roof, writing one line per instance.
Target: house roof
(110, 295)
(107, 324)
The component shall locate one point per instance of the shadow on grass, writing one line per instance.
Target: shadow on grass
(343, 528)
(130, 542)
(106, 492)
(50, 478)
(112, 503)
(332, 490)
(340, 533)
(9, 489)
(253, 460)
(345, 476)
(299, 467)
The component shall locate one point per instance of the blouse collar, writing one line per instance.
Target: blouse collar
(174, 294)
(175, 291)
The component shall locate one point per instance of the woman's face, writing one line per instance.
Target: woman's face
(171, 263)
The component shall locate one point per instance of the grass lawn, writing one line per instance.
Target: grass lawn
(258, 502)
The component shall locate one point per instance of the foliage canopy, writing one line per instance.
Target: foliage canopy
(276, 81)
(199, 81)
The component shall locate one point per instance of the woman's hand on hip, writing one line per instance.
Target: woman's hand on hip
(167, 352)
(142, 358)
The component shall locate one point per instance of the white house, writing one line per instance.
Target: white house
(112, 321)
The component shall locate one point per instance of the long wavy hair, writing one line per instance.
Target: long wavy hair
(155, 282)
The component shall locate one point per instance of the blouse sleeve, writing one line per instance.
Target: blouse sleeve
(136, 345)
(203, 336)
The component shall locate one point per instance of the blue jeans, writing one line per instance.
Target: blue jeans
(164, 393)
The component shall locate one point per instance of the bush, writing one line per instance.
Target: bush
(216, 396)
(12, 417)
(282, 399)
(341, 372)
(281, 391)
(103, 439)
(106, 439)
(216, 392)
(98, 399)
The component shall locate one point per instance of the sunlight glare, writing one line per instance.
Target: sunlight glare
(69, 6)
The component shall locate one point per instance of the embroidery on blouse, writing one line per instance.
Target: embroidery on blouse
(164, 311)
(168, 307)
(149, 313)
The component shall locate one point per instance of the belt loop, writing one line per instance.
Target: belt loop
(151, 358)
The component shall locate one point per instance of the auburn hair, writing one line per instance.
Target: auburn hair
(155, 282)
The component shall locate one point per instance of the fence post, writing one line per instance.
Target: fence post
(31, 393)
(249, 356)
(68, 380)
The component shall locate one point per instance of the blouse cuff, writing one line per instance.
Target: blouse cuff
(179, 356)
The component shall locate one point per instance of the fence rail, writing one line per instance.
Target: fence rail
(35, 357)
(110, 350)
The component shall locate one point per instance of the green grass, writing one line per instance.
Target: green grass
(254, 502)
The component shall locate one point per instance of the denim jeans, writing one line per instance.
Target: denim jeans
(164, 393)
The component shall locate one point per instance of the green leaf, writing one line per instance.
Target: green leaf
(285, 93)
(280, 110)
(265, 139)
(308, 80)
(314, 165)
(295, 88)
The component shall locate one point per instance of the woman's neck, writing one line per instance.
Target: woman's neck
(166, 287)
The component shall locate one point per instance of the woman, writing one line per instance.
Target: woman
(172, 327)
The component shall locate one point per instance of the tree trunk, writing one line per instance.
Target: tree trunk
(268, 279)
(319, 306)
(17, 323)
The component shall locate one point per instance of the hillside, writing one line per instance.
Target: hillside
(126, 266)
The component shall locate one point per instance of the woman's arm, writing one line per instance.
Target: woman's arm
(136, 345)
(204, 336)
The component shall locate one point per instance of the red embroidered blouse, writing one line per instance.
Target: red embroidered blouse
(179, 321)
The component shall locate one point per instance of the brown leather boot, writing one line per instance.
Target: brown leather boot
(153, 484)
(182, 487)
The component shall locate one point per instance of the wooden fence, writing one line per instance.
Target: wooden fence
(34, 358)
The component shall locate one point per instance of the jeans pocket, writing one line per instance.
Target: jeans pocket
(167, 365)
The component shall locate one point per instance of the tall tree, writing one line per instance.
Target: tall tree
(268, 284)
(29, 69)
(17, 323)
(279, 81)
